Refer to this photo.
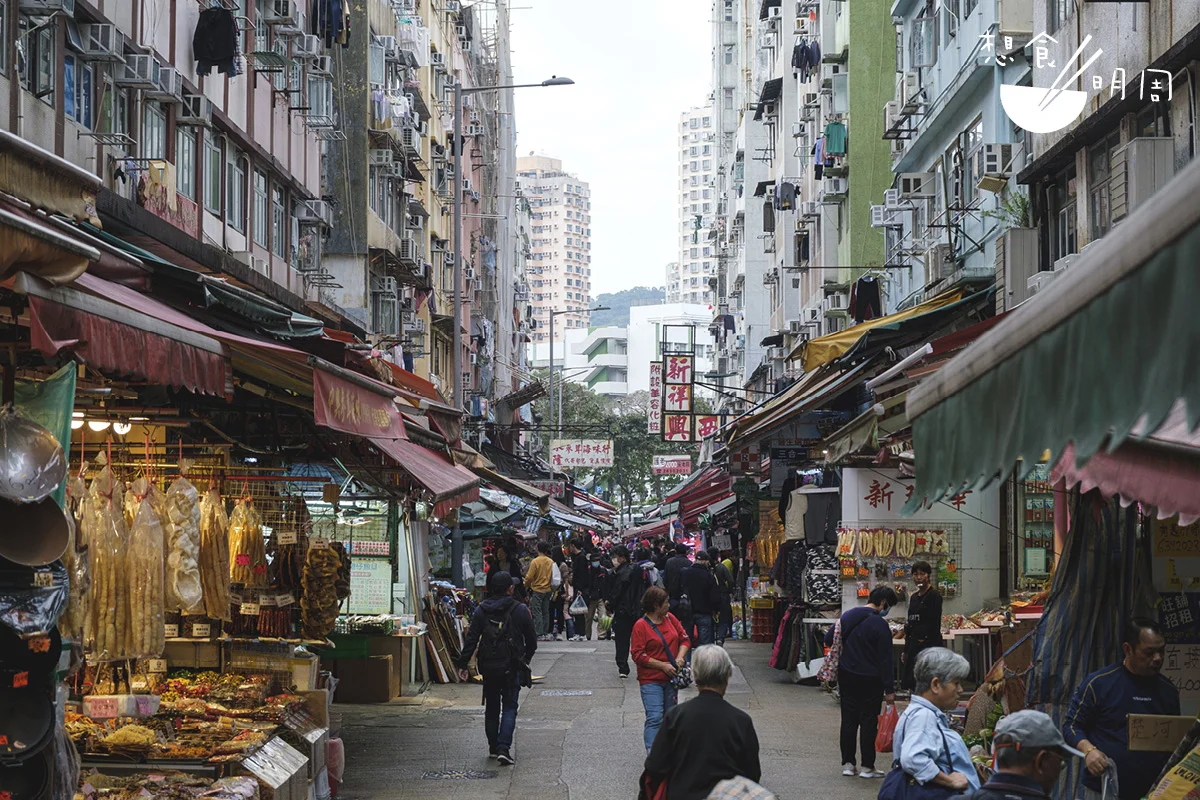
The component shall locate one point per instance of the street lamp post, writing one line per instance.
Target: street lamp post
(456, 380)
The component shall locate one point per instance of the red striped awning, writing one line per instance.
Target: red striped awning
(450, 484)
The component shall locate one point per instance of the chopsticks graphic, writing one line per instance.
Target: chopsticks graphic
(1054, 91)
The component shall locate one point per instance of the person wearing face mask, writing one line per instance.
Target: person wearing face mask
(864, 677)
(1030, 754)
(1097, 719)
(924, 626)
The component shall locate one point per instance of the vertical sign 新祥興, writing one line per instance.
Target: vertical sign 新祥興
(678, 376)
(654, 418)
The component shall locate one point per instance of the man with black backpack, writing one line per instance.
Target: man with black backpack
(502, 628)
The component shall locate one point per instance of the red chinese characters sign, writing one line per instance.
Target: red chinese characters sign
(677, 427)
(677, 399)
(706, 426)
(678, 370)
(654, 419)
(586, 453)
(343, 406)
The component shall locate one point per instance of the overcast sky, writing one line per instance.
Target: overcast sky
(636, 68)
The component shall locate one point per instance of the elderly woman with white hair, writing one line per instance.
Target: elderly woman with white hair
(931, 758)
(705, 740)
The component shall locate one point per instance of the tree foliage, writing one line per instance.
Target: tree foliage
(619, 304)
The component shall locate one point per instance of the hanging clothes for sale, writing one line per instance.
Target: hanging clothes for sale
(793, 524)
(769, 216)
(822, 515)
(865, 300)
(822, 580)
(215, 42)
(835, 139)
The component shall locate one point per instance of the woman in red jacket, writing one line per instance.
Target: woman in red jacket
(654, 663)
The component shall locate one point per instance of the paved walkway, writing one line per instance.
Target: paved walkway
(581, 746)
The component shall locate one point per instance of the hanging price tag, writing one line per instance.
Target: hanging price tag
(267, 600)
(243, 559)
(287, 537)
(171, 631)
(201, 630)
(319, 543)
(249, 609)
(284, 600)
(43, 580)
(156, 665)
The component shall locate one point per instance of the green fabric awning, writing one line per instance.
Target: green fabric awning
(1112, 340)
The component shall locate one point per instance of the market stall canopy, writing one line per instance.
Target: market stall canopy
(46, 181)
(651, 530)
(32, 245)
(516, 487)
(450, 484)
(478, 520)
(770, 93)
(824, 349)
(1162, 470)
(1109, 343)
(862, 433)
(566, 518)
(142, 340)
(810, 392)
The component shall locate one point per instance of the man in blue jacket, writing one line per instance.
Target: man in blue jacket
(1097, 721)
(865, 677)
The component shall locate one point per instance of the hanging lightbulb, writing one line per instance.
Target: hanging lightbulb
(98, 425)
(121, 428)
(77, 420)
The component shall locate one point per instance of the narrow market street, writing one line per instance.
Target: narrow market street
(581, 746)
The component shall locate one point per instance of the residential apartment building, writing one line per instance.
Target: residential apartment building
(693, 279)
(561, 265)
(793, 224)
(597, 358)
(211, 166)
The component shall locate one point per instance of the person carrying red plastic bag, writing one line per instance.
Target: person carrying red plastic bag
(887, 728)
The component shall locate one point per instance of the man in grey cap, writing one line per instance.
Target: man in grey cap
(1030, 753)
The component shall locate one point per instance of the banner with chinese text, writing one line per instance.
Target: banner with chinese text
(671, 465)
(654, 419)
(586, 453)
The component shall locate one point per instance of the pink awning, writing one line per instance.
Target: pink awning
(450, 484)
(1161, 470)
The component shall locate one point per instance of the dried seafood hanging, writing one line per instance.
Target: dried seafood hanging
(214, 556)
(147, 584)
(319, 606)
(184, 590)
(247, 551)
(70, 624)
(107, 619)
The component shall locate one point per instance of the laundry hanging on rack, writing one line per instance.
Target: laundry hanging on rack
(819, 157)
(330, 19)
(865, 300)
(215, 42)
(806, 58)
(835, 138)
(785, 196)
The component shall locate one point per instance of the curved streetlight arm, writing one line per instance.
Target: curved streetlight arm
(552, 81)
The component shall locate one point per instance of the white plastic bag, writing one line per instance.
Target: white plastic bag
(555, 576)
(579, 606)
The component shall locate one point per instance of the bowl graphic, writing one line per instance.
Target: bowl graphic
(1022, 104)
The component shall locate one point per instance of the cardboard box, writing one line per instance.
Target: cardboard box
(367, 680)
(1157, 733)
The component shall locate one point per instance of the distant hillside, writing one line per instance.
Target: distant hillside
(619, 304)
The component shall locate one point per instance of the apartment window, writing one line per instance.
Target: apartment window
(185, 162)
(1057, 13)
(972, 144)
(212, 173)
(729, 99)
(729, 10)
(952, 8)
(154, 131)
(43, 58)
(278, 222)
(235, 200)
(1099, 176)
(1153, 121)
(77, 90)
(1063, 216)
(923, 41)
(968, 6)
(260, 207)
(708, 122)
(728, 54)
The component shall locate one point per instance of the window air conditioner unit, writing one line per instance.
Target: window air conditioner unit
(410, 138)
(408, 250)
(835, 187)
(391, 51)
(469, 273)
(939, 262)
(437, 59)
(799, 129)
(307, 45)
(802, 28)
(776, 353)
(891, 199)
(836, 303)
(795, 327)
(812, 99)
(384, 285)
(453, 6)
(774, 12)
(102, 42)
(195, 110)
(380, 156)
(462, 31)
(467, 186)
(465, 44)
(474, 129)
(911, 92)
(474, 359)
(321, 65)
(477, 285)
(285, 16)
(810, 208)
(1065, 262)
(884, 217)
(917, 185)
(168, 86)
(140, 72)
(475, 196)
(315, 212)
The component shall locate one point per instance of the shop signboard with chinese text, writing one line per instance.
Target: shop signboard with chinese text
(346, 407)
(707, 426)
(677, 427)
(678, 370)
(654, 419)
(671, 465)
(370, 586)
(1176, 563)
(552, 488)
(585, 453)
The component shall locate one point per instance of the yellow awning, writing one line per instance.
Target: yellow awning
(824, 349)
